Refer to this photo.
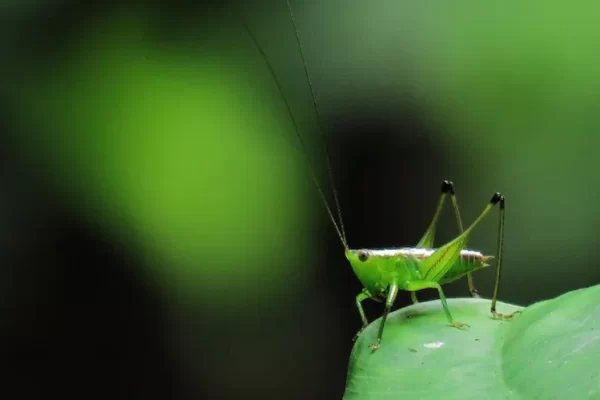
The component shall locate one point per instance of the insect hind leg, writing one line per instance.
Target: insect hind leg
(427, 241)
(499, 250)
(429, 236)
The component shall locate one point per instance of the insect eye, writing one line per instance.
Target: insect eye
(363, 256)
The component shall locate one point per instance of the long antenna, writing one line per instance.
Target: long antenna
(312, 94)
(340, 233)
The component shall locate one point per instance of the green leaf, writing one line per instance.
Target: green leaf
(550, 351)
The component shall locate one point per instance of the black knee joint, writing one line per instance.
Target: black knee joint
(448, 187)
(497, 197)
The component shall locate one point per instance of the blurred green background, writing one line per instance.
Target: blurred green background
(160, 233)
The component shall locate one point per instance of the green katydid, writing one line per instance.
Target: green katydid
(383, 272)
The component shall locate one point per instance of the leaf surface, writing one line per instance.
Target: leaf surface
(550, 351)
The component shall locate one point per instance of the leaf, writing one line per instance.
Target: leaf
(550, 351)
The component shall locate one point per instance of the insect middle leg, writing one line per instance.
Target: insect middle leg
(389, 302)
(413, 297)
(427, 241)
(420, 285)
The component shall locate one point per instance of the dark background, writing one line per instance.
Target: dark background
(160, 236)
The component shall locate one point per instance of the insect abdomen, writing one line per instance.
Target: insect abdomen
(468, 261)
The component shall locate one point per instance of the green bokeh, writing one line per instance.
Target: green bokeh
(189, 146)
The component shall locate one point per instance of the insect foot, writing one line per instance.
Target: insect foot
(505, 317)
(459, 325)
(358, 333)
(375, 345)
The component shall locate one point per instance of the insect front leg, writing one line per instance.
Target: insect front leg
(359, 298)
(389, 302)
(427, 241)
(420, 285)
